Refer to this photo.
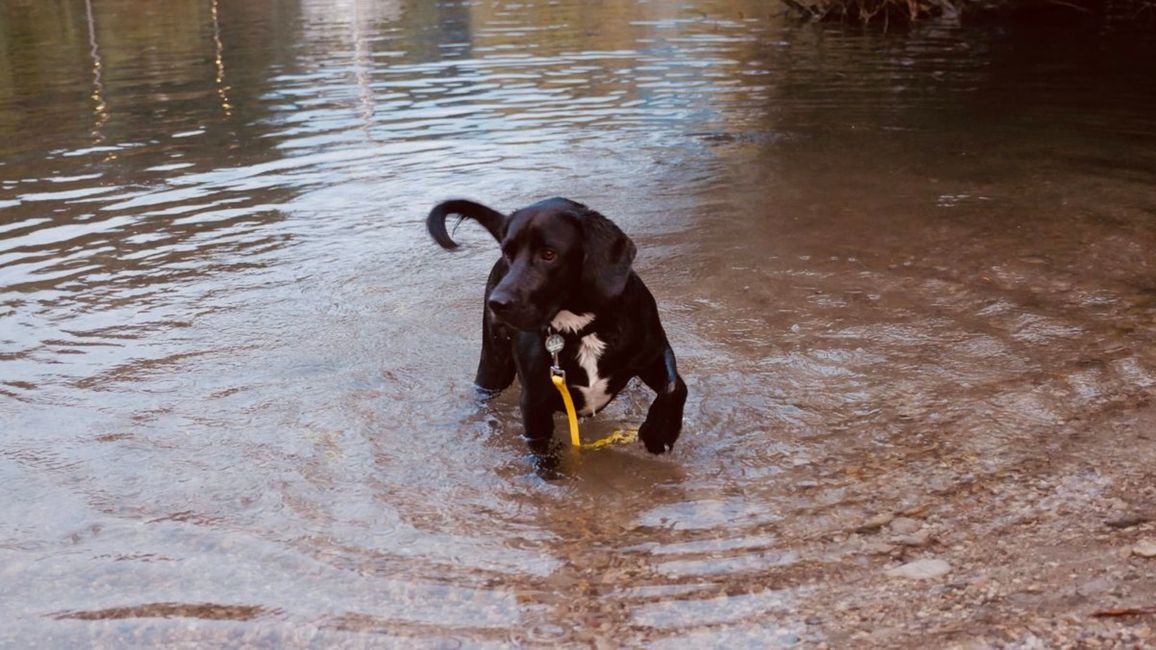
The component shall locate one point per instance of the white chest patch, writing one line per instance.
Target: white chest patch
(567, 321)
(594, 393)
(590, 349)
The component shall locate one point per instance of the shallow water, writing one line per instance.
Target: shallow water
(235, 373)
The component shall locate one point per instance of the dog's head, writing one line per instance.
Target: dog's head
(558, 254)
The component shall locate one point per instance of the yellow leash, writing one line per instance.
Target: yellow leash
(559, 380)
(619, 436)
(558, 376)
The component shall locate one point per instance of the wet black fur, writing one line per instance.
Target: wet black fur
(590, 273)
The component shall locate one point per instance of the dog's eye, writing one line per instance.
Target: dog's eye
(548, 255)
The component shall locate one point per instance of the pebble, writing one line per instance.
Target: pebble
(917, 511)
(921, 569)
(875, 523)
(879, 548)
(905, 525)
(1126, 520)
(918, 540)
(1146, 548)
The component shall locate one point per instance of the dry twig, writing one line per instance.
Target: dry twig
(1124, 611)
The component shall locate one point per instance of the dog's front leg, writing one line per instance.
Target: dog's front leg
(538, 431)
(664, 419)
(539, 398)
(537, 419)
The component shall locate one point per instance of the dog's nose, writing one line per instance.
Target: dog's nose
(500, 304)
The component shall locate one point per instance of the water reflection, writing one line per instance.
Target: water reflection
(100, 109)
(234, 375)
(222, 88)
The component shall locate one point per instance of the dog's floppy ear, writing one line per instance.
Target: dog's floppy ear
(609, 254)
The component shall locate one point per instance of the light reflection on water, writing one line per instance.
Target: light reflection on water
(235, 375)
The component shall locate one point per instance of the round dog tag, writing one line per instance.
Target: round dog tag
(554, 344)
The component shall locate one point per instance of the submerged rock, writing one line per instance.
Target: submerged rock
(905, 525)
(917, 539)
(875, 523)
(921, 569)
(1127, 520)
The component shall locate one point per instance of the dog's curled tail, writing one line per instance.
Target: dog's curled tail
(435, 223)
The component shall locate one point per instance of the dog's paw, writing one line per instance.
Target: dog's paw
(549, 469)
(658, 437)
(484, 394)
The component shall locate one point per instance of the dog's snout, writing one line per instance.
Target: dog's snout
(510, 308)
(500, 303)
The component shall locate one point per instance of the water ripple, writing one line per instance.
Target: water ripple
(235, 374)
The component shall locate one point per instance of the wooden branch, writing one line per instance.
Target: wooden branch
(1125, 611)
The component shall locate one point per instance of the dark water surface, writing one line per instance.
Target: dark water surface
(235, 375)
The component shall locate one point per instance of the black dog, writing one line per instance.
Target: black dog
(565, 269)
